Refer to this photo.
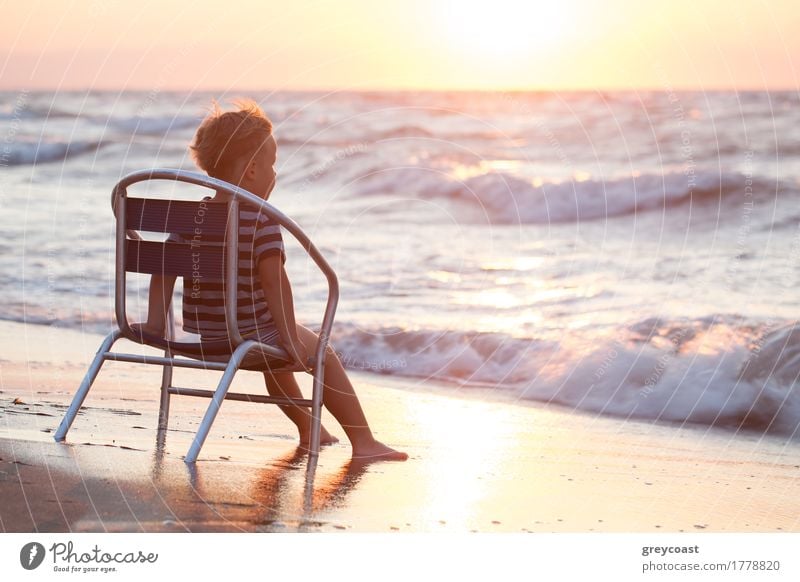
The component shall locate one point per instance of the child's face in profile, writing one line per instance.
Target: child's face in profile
(263, 169)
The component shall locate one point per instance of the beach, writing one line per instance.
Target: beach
(561, 342)
(480, 461)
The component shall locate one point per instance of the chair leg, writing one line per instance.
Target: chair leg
(166, 383)
(219, 395)
(83, 390)
(316, 408)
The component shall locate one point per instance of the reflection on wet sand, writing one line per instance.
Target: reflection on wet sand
(278, 495)
(289, 492)
(273, 488)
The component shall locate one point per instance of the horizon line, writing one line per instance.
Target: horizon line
(331, 90)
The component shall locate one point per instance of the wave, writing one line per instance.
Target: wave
(89, 322)
(404, 131)
(463, 356)
(34, 113)
(775, 354)
(506, 198)
(656, 370)
(27, 153)
(156, 125)
(51, 112)
(416, 131)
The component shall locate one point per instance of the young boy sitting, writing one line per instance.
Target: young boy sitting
(239, 147)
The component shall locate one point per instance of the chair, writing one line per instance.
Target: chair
(219, 261)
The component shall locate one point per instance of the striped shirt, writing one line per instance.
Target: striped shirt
(203, 300)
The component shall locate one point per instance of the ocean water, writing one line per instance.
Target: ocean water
(634, 254)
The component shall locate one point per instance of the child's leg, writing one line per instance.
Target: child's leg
(341, 400)
(284, 385)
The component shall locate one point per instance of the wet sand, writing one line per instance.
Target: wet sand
(478, 461)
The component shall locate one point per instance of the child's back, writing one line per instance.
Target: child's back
(204, 298)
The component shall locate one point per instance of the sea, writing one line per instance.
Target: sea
(631, 254)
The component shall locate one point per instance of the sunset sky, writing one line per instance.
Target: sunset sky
(408, 44)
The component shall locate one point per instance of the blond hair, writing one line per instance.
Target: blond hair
(226, 139)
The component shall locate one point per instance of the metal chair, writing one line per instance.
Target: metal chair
(169, 258)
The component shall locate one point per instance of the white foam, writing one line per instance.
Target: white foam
(695, 378)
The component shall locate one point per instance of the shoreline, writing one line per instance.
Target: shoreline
(407, 383)
(477, 463)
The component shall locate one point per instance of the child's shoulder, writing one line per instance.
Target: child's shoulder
(260, 218)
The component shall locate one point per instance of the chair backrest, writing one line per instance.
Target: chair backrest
(201, 224)
(200, 253)
(182, 217)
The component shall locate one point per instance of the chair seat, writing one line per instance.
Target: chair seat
(214, 351)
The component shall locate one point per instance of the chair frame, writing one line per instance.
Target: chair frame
(240, 346)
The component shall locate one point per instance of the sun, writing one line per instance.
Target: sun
(503, 28)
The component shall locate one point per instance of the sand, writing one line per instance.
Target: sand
(479, 461)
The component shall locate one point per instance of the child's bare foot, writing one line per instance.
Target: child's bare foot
(325, 438)
(377, 451)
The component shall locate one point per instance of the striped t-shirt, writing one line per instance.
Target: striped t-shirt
(204, 308)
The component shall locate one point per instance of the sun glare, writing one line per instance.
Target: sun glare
(503, 28)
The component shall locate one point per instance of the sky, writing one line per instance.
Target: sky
(400, 44)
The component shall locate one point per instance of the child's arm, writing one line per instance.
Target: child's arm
(159, 299)
(278, 294)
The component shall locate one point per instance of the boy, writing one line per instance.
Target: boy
(239, 147)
